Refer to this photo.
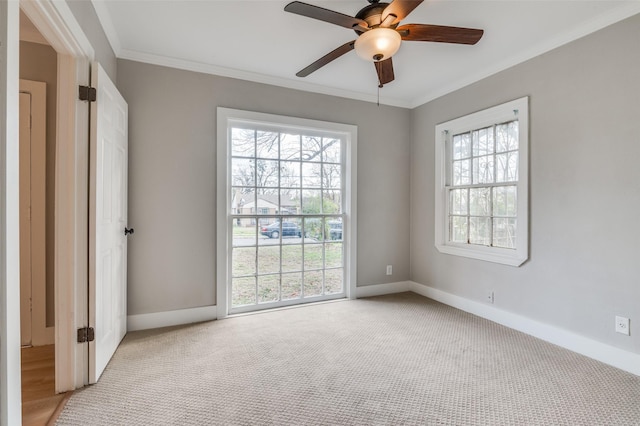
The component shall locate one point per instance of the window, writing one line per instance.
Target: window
(284, 199)
(482, 184)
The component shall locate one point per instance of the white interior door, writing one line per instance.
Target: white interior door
(108, 219)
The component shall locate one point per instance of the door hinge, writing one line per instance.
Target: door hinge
(86, 334)
(87, 93)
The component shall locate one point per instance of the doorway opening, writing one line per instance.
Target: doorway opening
(37, 137)
(56, 22)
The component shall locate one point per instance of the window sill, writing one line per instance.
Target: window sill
(502, 256)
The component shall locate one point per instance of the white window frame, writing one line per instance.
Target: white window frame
(519, 109)
(225, 118)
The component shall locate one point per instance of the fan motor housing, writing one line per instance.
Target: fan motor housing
(372, 14)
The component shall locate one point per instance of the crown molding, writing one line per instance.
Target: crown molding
(593, 25)
(568, 36)
(255, 77)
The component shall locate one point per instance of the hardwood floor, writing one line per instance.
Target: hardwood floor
(39, 400)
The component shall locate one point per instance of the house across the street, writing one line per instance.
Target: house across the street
(262, 204)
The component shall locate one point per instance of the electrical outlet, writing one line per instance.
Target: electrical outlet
(622, 325)
(489, 297)
(389, 269)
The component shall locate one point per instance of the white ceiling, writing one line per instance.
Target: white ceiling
(258, 41)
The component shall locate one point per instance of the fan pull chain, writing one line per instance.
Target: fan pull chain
(379, 86)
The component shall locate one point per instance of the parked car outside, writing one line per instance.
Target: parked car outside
(289, 229)
(335, 230)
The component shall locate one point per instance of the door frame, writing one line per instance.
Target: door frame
(10, 387)
(58, 25)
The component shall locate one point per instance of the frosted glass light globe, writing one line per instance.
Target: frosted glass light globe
(378, 44)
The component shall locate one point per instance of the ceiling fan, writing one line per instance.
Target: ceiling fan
(379, 36)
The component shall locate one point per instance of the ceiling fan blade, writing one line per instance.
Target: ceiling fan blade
(400, 9)
(331, 56)
(439, 33)
(385, 71)
(326, 15)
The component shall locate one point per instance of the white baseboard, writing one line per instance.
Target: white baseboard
(207, 313)
(169, 318)
(381, 289)
(616, 357)
(602, 352)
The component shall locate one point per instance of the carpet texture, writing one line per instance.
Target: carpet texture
(393, 360)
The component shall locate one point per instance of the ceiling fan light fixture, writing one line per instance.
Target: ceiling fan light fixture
(378, 44)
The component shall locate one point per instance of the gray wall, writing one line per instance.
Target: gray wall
(584, 265)
(172, 184)
(86, 16)
(39, 62)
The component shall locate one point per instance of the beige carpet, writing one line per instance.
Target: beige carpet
(392, 360)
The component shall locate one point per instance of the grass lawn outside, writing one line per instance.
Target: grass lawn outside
(270, 273)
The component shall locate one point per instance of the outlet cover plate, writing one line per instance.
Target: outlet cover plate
(622, 325)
